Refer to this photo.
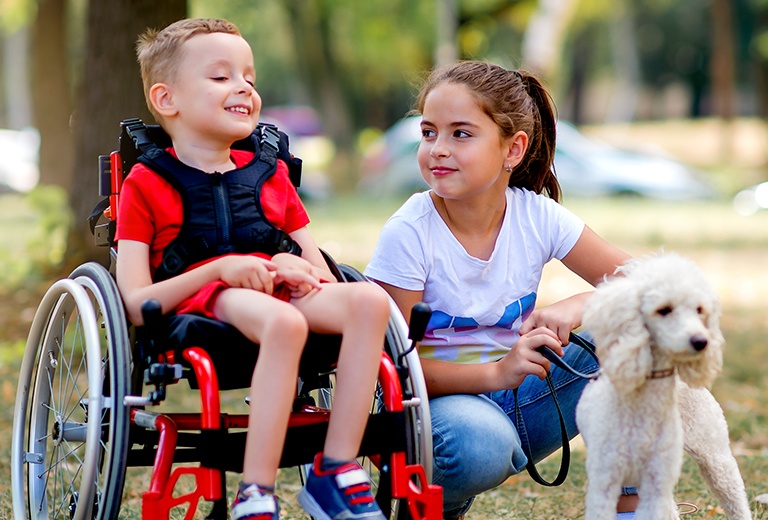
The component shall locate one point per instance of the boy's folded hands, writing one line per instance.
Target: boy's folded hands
(252, 272)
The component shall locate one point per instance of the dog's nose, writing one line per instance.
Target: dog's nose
(699, 343)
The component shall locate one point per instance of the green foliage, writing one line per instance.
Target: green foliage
(36, 226)
(15, 14)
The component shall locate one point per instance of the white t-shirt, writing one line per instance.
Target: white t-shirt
(477, 305)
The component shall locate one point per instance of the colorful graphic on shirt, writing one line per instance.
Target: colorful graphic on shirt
(463, 340)
(520, 308)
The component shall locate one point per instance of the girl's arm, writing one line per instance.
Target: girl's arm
(592, 258)
(135, 280)
(444, 378)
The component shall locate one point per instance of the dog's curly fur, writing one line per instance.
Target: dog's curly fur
(635, 418)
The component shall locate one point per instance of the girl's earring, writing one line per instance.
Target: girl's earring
(509, 169)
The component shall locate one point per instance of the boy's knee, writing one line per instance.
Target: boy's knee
(286, 321)
(368, 301)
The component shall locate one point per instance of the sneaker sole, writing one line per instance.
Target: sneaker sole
(310, 505)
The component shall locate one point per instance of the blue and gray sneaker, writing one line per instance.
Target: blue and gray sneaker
(342, 492)
(253, 503)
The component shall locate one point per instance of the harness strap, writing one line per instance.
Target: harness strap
(565, 460)
(139, 133)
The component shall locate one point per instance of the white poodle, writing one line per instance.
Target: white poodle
(657, 334)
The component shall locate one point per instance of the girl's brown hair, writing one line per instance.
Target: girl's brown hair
(515, 100)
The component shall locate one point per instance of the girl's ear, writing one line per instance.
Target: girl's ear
(517, 146)
(161, 97)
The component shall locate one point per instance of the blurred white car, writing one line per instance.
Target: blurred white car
(19, 160)
(587, 167)
(584, 166)
(751, 200)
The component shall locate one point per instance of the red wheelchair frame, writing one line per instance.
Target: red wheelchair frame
(168, 442)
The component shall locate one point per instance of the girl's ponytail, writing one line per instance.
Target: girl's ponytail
(538, 166)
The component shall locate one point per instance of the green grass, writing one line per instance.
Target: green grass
(731, 250)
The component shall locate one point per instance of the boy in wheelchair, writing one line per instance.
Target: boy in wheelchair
(207, 229)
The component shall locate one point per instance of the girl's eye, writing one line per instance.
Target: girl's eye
(461, 134)
(219, 78)
(426, 132)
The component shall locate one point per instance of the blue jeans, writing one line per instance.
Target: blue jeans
(477, 443)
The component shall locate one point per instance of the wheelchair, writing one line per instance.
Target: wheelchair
(90, 383)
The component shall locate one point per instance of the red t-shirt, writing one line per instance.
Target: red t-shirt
(151, 211)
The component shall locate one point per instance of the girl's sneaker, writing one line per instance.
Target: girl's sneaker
(343, 492)
(252, 503)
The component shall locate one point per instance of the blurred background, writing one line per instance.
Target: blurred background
(662, 144)
(657, 98)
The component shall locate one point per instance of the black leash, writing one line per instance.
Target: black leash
(565, 460)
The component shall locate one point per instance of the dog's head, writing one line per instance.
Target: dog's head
(662, 308)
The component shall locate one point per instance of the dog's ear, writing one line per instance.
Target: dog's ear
(703, 370)
(614, 318)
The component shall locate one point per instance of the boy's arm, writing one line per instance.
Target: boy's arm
(134, 278)
(311, 253)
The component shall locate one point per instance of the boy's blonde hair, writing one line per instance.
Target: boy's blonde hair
(158, 52)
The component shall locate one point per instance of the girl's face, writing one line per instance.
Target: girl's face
(461, 153)
(213, 93)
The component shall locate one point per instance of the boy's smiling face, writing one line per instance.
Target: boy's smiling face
(212, 95)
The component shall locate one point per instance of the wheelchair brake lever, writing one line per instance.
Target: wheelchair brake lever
(420, 315)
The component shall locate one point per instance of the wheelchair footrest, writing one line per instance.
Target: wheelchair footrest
(158, 505)
(425, 501)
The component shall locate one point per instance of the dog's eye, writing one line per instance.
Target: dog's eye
(700, 310)
(664, 310)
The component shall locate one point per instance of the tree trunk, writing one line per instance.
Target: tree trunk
(723, 73)
(312, 33)
(52, 104)
(543, 38)
(110, 92)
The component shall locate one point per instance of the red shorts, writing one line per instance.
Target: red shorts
(204, 300)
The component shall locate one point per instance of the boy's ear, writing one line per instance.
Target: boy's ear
(161, 97)
(517, 146)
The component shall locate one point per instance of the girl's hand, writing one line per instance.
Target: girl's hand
(248, 272)
(524, 360)
(561, 317)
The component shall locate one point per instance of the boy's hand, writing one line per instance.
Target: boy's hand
(296, 273)
(248, 272)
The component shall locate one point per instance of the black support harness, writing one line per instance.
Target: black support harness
(222, 212)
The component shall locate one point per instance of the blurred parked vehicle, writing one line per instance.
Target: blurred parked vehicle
(309, 142)
(19, 159)
(585, 167)
(751, 200)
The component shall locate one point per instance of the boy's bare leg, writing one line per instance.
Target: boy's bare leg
(281, 331)
(359, 311)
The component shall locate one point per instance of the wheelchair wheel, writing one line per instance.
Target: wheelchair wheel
(70, 431)
(417, 419)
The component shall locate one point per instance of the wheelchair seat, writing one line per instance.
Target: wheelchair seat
(233, 355)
